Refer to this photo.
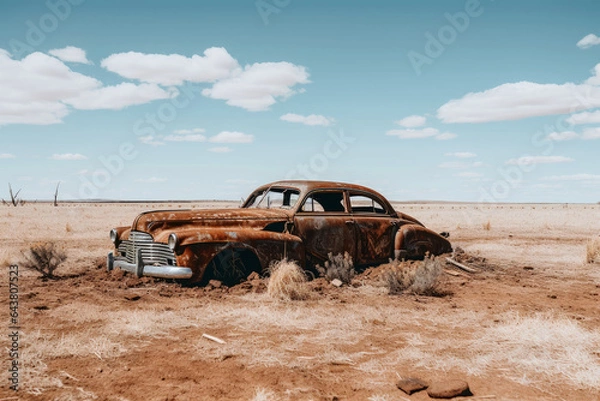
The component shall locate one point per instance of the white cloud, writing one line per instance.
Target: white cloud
(562, 136)
(445, 136)
(68, 156)
(39, 90)
(220, 149)
(586, 117)
(151, 180)
(173, 69)
(258, 86)
(7, 156)
(469, 174)
(70, 54)
(460, 165)
(428, 132)
(514, 101)
(231, 137)
(150, 140)
(573, 177)
(462, 155)
(31, 89)
(189, 131)
(412, 121)
(185, 138)
(312, 119)
(588, 41)
(591, 133)
(119, 96)
(529, 160)
(595, 79)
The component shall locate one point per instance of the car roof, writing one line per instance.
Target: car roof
(305, 186)
(309, 185)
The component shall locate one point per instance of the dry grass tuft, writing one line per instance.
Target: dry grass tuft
(525, 349)
(68, 228)
(543, 345)
(339, 267)
(264, 395)
(420, 278)
(487, 226)
(287, 281)
(593, 250)
(44, 257)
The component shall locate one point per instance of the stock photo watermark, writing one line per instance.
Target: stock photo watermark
(318, 163)
(267, 7)
(13, 327)
(38, 29)
(513, 176)
(92, 184)
(446, 35)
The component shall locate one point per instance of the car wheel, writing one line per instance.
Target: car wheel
(231, 267)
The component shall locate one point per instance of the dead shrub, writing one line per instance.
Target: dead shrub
(287, 281)
(339, 267)
(487, 226)
(44, 257)
(593, 250)
(421, 278)
(68, 228)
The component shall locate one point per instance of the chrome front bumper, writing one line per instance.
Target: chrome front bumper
(139, 269)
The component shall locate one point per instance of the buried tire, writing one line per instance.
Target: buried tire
(232, 266)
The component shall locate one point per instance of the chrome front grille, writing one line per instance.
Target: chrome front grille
(153, 253)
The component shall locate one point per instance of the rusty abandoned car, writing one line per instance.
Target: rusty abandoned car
(304, 221)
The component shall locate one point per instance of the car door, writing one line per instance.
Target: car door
(375, 228)
(325, 225)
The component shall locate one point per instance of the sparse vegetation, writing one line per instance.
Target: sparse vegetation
(264, 395)
(287, 281)
(68, 228)
(339, 267)
(45, 258)
(420, 278)
(487, 226)
(14, 198)
(593, 250)
(56, 195)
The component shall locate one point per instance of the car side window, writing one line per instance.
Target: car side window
(360, 203)
(325, 201)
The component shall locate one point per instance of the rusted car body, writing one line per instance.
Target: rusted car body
(303, 221)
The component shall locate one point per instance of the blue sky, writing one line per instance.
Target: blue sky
(422, 100)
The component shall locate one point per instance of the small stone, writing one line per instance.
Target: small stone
(449, 389)
(215, 283)
(336, 282)
(411, 385)
(253, 276)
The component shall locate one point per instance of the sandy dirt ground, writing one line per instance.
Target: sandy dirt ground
(524, 326)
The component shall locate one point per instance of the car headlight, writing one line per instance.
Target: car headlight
(114, 237)
(173, 241)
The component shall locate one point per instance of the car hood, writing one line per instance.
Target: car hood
(154, 221)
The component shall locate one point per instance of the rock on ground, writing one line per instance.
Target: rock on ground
(411, 385)
(449, 389)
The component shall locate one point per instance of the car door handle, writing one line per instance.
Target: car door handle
(349, 222)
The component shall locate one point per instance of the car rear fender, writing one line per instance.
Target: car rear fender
(417, 240)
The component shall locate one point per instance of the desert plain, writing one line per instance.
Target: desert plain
(524, 326)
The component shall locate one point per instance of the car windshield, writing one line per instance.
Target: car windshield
(273, 198)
